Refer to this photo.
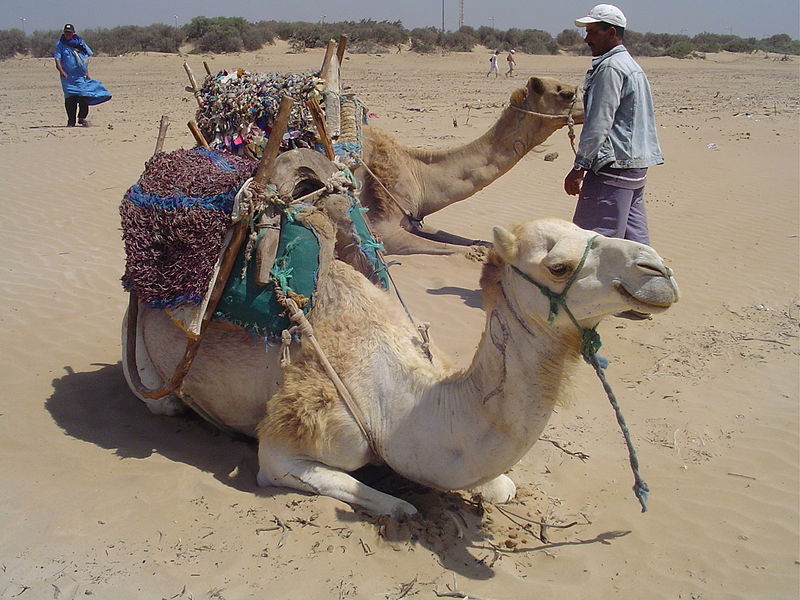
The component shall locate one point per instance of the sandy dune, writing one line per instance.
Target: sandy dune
(101, 499)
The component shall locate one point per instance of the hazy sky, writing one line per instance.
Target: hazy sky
(740, 17)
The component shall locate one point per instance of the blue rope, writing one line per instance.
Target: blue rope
(222, 202)
(216, 158)
(640, 487)
(590, 344)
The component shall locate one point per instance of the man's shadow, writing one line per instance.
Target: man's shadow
(97, 407)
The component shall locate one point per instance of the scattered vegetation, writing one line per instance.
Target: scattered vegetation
(235, 34)
(12, 41)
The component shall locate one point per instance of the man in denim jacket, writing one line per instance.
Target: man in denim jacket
(618, 141)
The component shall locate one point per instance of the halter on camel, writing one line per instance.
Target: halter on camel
(590, 344)
(570, 119)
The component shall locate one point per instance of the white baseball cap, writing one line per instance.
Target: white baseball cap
(607, 13)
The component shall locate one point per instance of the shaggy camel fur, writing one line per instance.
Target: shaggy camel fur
(421, 182)
(442, 428)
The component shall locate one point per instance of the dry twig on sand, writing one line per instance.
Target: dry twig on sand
(455, 593)
(582, 455)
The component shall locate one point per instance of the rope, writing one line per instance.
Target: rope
(590, 344)
(570, 120)
(640, 488)
(306, 330)
(379, 246)
(403, 210)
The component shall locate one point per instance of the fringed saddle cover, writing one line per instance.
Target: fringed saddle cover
(239, 108)
(174, 221)
(175, 224)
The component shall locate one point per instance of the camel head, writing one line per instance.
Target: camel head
(550, 97)
(603, 275)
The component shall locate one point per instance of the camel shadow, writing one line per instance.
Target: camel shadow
(97, 407)
(471, 298)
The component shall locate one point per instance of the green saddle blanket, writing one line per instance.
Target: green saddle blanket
(254, 307)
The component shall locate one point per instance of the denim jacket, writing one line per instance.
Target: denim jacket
(619, 127)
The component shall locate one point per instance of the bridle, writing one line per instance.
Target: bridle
(559, 300)
(590, 344)
(570, 119)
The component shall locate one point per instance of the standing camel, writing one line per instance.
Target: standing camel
(413, 183)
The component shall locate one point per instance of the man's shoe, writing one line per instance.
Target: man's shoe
(70, 124)
(83, 122)
(634, 315)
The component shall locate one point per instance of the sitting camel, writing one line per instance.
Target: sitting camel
(412, 183)
(445, 429)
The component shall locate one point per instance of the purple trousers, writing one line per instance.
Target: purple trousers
(610, 210)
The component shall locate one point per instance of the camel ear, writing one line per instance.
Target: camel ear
(519, 96)
(505, 244)
(537, 85)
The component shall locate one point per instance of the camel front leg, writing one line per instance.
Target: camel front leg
(278, 468)
(498, 490)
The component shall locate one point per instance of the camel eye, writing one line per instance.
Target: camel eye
(559, 270)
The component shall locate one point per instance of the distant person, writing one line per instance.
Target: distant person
(493, 68)
(511, 63)
(618, 141)
(72, 62)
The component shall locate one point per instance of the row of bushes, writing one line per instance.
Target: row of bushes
(234, 34)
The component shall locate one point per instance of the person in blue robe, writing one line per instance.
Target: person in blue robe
(80, 92)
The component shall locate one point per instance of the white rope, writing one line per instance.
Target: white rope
(570, 121)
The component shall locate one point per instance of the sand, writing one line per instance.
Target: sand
(99, 498)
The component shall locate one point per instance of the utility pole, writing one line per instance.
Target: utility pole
(492, 20)
(442, 17)
(23, 19)
(460, 13)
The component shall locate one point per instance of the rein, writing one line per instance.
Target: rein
(590, 344)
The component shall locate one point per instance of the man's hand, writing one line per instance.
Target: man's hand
(573, 181)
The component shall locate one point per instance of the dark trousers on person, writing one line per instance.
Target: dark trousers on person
(71, 104)
(610, 210)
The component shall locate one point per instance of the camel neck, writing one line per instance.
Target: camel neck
(516, 375)
(453, 175)
(480, 422)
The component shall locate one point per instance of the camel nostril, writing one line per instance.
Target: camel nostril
(653, 269)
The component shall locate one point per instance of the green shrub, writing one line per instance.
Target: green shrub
(569, 39)
(490, 37)
(425, 39)
(232, 34)
(12, 41)
(740, 45)
(220, 42)
(43, 43)
(533, 41)
(680, 49)
(133, 38)
(459, 41)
